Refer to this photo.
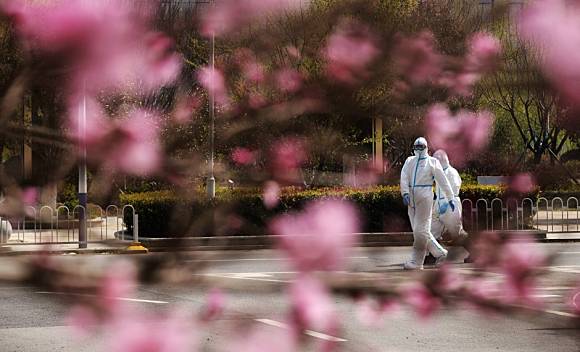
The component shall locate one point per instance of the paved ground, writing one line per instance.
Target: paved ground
(33, 320)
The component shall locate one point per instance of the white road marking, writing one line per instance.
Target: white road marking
(247, 276)
(556, 288)
(88, 295)
(546, 296)
(563, 314)
(561, 269)
(312, 333)
(262, 259)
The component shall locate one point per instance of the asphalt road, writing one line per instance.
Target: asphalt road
(33, 320)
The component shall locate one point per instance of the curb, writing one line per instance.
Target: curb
(6, 251)
(252, 242)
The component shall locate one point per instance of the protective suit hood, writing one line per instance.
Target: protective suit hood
(420, 147)
(441, 155)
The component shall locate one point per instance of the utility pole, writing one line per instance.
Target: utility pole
(82, 195)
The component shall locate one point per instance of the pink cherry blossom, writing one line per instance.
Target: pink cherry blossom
(416, 58)
(551, 26)
(463, 135)
(448, 280)
(251, 69)
(214, 82)
(372, 312)
(522, 183)
(185, 109)
(288, 80)
(348, 52)
(261, 339)
(94, 128)
(365, 175)
(139, 150)
(483, 53)
(482, 56)
(479, 292)
(117, 283)
(486, 249)
(293, 51)
(312, 305)
(107, 44)
(215, 305)
(30, 196)
(130, 144)
(226, 16)
(137, 332)
(320, 237)
(519, 260)
(243, 156)
(287, 155)
(271, 194)
(421, 299)
(257, 100)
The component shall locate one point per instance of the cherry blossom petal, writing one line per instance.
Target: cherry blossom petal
(348, 52)
(417, 59)
(313, 306)
(215, 306)
(463, 135)
(243, 156)
(288, 80)
(271, 194)
(421, 299)
(320, 237)
(551, 26)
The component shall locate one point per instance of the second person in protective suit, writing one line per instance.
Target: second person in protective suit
(417, 176)
(447, 222)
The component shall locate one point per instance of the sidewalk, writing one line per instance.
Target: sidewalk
(391, 239)
(119, 247)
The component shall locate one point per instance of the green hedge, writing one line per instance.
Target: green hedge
(166, 214)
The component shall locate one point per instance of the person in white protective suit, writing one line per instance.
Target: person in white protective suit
(450, 222)
(417, 176)
(446, 222)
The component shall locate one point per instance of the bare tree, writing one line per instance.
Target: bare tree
(519, 90)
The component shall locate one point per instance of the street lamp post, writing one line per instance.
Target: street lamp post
(82, 195)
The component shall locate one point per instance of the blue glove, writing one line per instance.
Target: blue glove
(443, 207)
(452, 205)
(406, 199)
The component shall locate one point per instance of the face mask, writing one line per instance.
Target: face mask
(419, 152)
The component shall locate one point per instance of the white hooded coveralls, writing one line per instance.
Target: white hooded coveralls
(447, 222)
(417, 178)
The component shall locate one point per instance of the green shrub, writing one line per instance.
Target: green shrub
(164, 213)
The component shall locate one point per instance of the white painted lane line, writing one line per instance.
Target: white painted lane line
(322, 336)
(255, 272)
(564, 270)
(563, 314)
(260, 259)
(246, 278)
(312, 333)
(556, 288)
(546, 296)
(272, 323)
(88, 295)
